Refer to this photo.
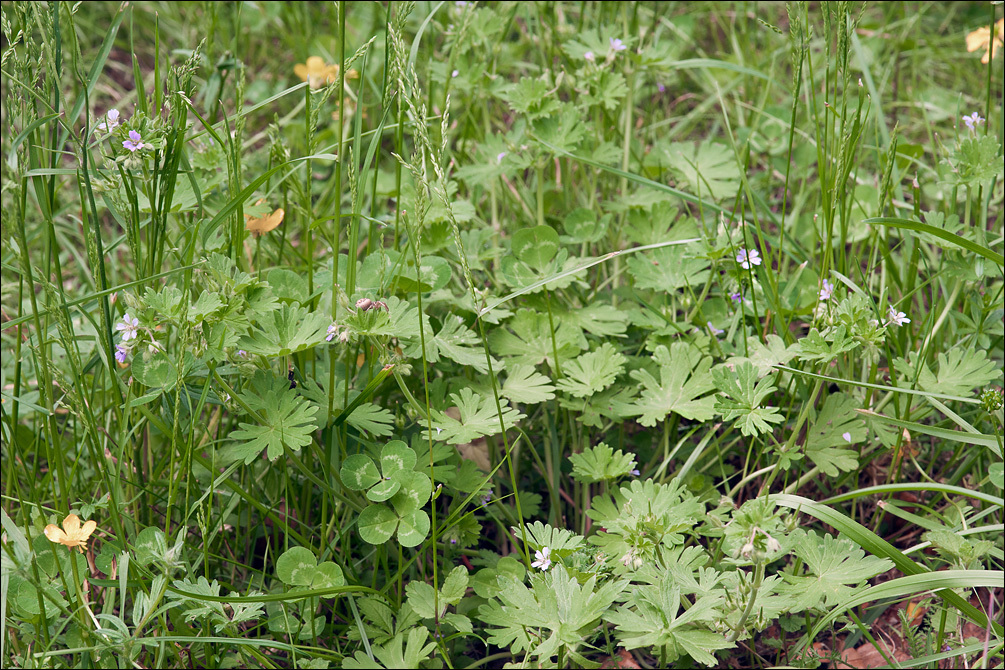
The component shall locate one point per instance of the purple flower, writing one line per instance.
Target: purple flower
(715, 331)
(487, 498)
(241, 353)
(332, 332)
(748, 258)
(112, 120)
(736, 297)
(661, 88)
(134, 143)
(633, 473)
(896, 318)
(121, 352)
(128, 327)
(589, 56)
(617, 45)
(973, 121)
(501, 155)
(827, 290)
(542, 558)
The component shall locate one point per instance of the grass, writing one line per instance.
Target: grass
(519, 334)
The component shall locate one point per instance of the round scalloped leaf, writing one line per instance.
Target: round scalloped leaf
(415, 491)
(359, 472)
(383, 490)
(413, 528)
(376, 524)
(396, 456)
(328, 575)
(535, 246)
(297, 566)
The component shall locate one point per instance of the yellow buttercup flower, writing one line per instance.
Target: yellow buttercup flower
(72, 534)
(260, 226)
(318, 73)
(982, 39)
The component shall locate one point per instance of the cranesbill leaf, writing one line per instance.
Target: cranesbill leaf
(668, 268)
(288, 420)
(527, 339)
(478, 418)
(285, 331)
(745, 394)
(684, 381)
(600, 463)
(526, 385)
(591, 372)
(836, 427)
(838, 565)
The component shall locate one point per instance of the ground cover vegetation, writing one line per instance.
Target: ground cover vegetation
(531, 334)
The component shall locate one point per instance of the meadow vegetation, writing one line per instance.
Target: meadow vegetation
(517, 334)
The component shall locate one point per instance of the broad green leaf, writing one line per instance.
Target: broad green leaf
(526, 338)
(383, 490)
(708, 168)
(285, 331)
(684, 381)
(359, 472)
(413, 528)
(376, 524)
(478, 417)
(377, 421)
(297, 566)
(288, 420)
(668, 269)
(836, 427)
(395, 456)
(591, 372)
(561, 541)
(824, 348)
(454, 341)
(535, 246)
(328, 575)
(745, 393)
(600, 463)
(837, 566)
(526, 385)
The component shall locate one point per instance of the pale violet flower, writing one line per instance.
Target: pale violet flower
(661, 88)
(501, 155)
(715, 331)
(241, 353)
(135, 142)
(973, 121)
(121, 352)
(589, 56)
(846, 436)
(896, 318)
(736, 297)
(487, 498)
(748, 258)
(542, 559)
(128, 327)
(827, 290)
(617, 45)
(111, 120)
(332, 332)
(634, 473)
(455, 73)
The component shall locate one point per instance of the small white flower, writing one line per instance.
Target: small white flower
(973, 121)
(543, 559)
(896, 318)
(827, 290)
(111, 120)
(128, 327)
(748, 258)
(617, 45)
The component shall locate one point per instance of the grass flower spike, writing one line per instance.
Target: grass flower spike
(983, 39)
(72, 534)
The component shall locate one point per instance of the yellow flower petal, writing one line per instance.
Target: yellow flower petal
(979, 39)
(263, 225)
(53, 532)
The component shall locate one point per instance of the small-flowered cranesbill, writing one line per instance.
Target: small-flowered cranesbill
(826, 290)
(332, 332)
(896, 318)
(128, 327)
(111, 121)
(72, 534)
(973, 121)
(617, 45)
(135, 142)
(542, 559)
(122, 352)
(746, 259)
